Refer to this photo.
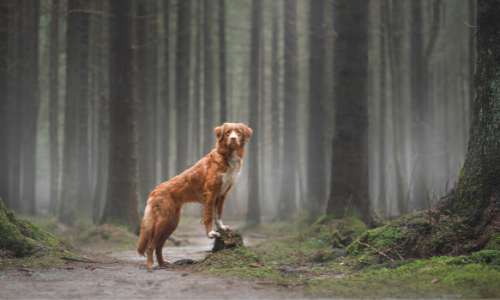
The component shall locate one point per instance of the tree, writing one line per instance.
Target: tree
(382, 117)
(165, 121)
(28, 94)
(472, 53)
(222, 61)
(182, 82)
(70, 175)
(479, 178)
(208, 79)
(316, 181)
(349, 180)
(54, 106)
(4, 129)
(286, 205)
(253, 208)
(121, 200)
(275, 105)
(102, 136)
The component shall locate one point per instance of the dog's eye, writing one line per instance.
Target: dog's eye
(227, 131)
(239, 131)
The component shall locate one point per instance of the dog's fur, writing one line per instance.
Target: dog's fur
(207, 182)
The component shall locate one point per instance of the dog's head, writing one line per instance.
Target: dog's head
(233, 135)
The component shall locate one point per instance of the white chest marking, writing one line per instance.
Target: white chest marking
(233, 173)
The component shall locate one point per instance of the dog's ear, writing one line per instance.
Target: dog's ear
(219, 132)
(247, 133)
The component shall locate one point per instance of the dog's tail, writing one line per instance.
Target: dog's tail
(147, 228)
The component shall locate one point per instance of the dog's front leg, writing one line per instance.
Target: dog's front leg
(219, 207)
(208, 214)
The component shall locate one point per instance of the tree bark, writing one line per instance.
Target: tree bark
(480, 175)
(29, 97)
(382, 201)
(121, 200)
(70, 174)
(102, 162)
(275, 105)
(54, 106)
(253, 207)
(4, 101)
(84, 191)
(208, 80)
(182, 82)
(165, 121)
(349, 180)
(316, 173)
(472, 54)
(195, 136)
(287, 205)
(222, 61)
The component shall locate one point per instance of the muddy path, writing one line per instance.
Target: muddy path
(123, 275)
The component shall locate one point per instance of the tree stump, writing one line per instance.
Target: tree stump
(227, 240)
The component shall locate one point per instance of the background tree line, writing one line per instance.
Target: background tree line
(382, 133)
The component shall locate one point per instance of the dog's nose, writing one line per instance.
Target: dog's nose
(233, 138)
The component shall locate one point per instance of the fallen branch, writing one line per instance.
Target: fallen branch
(80, 260)
(380, 252)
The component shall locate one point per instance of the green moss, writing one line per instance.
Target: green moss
(473, 279)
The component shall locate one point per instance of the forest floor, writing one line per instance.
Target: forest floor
(283, 261)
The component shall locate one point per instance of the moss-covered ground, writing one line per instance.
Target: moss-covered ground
(304, 259)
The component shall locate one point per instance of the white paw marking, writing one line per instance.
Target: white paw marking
(213, 234)
(221, 226)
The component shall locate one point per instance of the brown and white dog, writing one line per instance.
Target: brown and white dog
(207, 182)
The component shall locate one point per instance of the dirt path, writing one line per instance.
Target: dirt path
(125, 277)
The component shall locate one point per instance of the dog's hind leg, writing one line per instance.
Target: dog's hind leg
(168, 227)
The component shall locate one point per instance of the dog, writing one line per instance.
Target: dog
(207, 182)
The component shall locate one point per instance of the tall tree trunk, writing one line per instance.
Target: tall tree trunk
(195, 135)
(84, 191)
(275, 105)
(394, 22)
(418, 106)
(16, 106)
(208, 80)
(165, 121)
(253, 207)
(349, 180)
(287, 205)
(316, 183)
(4, 124)
(182, 82)
(222, 61)
(30, 101)
(54, 106)
(102, 137)
(144, 96)
(479, 179)
(382, 201)
(70, 174)
(121, 200)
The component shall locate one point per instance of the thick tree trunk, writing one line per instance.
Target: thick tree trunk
(253, 207)
(316, 183)
(196, 152)
(121, 201)
(480, 175)
(222, 61)
(349, 180)
(208, 80)
(70, 175)
(4, 124)
(472, 55)
(182, 82)
(287, 205)
(54, 106)
(30, 100)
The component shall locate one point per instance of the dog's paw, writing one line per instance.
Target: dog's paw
(212, 234)
(221, 226)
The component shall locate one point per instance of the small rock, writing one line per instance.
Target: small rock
(184, 274)
(435, 280)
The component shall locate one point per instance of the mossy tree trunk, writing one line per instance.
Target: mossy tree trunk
(480, 175)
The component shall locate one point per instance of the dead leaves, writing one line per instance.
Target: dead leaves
(254, 266)
(68, 268)
(435, 280)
